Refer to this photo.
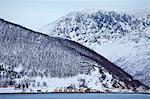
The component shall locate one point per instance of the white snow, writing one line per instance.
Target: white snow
(9, 90)
(131, 52)
(91, 81)
(18, 69)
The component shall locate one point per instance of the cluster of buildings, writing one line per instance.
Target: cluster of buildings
(7, 80)
(80, 90)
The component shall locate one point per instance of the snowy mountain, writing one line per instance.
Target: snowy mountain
(141, 13)
(122, 38)
(31, 62)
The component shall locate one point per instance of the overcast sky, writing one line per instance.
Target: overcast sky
(34, 14)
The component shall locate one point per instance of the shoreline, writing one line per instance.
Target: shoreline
(71, 93)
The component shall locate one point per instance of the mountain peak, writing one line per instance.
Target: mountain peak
(107, 31)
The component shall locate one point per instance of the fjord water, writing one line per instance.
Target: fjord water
(75, 96)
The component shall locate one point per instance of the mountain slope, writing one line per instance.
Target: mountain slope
(141, 13)
(131, 53)
(120, 37)
(29, 59)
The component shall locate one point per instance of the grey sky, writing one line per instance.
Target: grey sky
(34, 14)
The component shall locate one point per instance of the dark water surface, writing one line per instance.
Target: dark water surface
(75, 96)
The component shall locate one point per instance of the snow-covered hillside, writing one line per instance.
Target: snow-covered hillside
(141, 13)
(131, 53)
(122, 38)
(34, 62)
(95, 81)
